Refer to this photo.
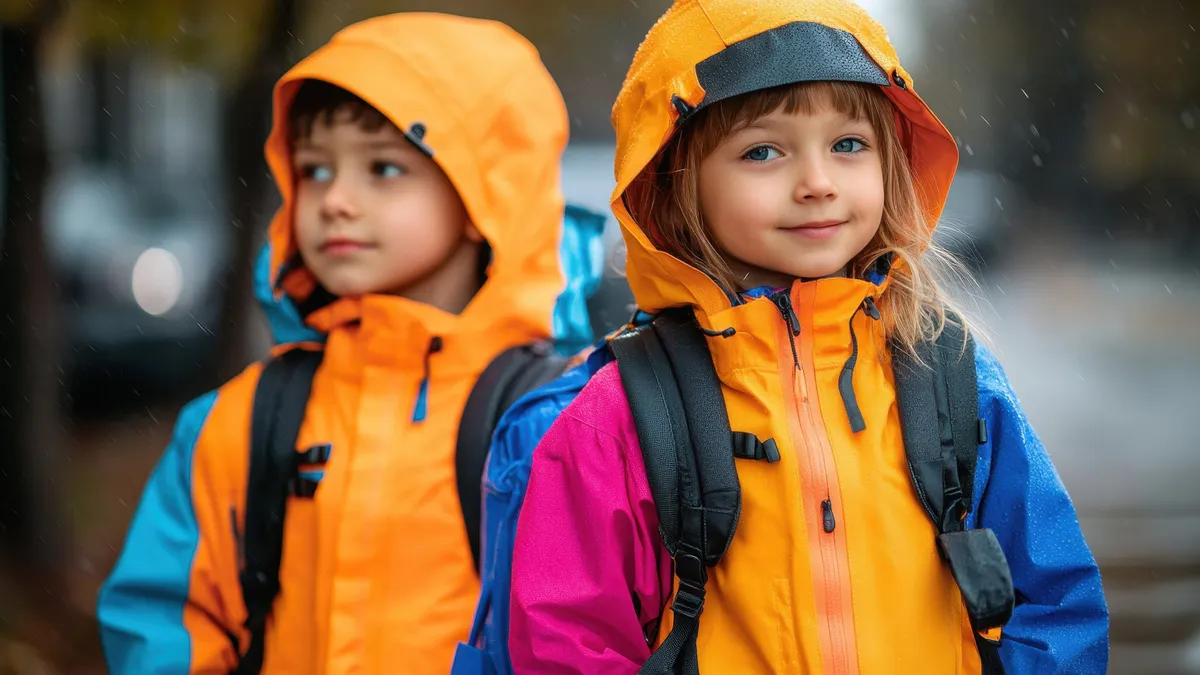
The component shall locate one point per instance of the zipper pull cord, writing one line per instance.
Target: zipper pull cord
(783, 301)
(420, 409)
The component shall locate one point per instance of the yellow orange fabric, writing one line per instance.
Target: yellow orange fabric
(871, 597)
(377, 576)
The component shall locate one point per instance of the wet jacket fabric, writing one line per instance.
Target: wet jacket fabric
(834, 567)
(377, 575)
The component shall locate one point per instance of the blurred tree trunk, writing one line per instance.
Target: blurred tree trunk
(33, 536)
(247, 121)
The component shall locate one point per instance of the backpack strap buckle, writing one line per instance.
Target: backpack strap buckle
(689, 600)
(954, 506)
(748, 446)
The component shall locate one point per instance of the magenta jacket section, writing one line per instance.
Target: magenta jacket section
(610, 570)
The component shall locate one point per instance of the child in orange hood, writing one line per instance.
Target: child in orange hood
(777, 174)
(418, 158)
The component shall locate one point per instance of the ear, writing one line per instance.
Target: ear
(473, 234)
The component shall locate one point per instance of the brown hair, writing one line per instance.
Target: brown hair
(318, 101)
(664, 200)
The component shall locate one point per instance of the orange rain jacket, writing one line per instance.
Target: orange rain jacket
(376, 576)
(833, 568)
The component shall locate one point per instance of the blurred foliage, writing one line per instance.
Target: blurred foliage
(216, 35)
(1107, 88)
(586, 44)
(1091, 107)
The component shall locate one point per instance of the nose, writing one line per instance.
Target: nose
(814, 182)
(339, 202)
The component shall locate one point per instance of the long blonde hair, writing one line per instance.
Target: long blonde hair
(665, 201)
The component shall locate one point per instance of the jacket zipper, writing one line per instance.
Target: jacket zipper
(818, 479)
(420, 408)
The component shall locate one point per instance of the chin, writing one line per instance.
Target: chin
(349, 288)
(816, 270)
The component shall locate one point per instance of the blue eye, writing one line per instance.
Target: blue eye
(387, 170)
(316, 172)
(761, 153)
(849, 145)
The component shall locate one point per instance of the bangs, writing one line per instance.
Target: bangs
(319, 102)
(853, 99)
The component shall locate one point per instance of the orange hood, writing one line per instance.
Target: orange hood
(495, 123)
(703, 51)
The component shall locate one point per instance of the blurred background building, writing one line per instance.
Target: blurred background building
(135, 195)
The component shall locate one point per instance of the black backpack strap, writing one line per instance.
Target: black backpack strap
(938, 398)
(507, 378)
(279, 404)
(688, 448)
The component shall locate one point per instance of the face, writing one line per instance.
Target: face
(374, 214)
(793, 195)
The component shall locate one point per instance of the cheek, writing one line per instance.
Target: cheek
(735, 203)
(305, 219)
(418, 221)
(871, 194)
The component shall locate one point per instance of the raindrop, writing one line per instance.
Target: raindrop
(1033, 130)
(1188, 119)
(985, 120)
(1115, 140)
(1132, 109)
(970, 151)
(1025, 92)
(1037, 161)
(1099, 87)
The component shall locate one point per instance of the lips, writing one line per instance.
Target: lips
(342, 246)
(819, 229)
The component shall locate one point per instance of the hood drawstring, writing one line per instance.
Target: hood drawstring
(783, 301)
(420, 410)
(846, 379)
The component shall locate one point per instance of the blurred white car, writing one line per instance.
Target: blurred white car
(140, 275)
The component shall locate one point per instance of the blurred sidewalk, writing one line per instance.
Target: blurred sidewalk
(1103, 349)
